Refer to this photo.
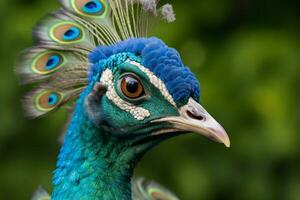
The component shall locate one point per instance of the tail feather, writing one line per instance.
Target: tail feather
(40, 63)
(58, 63)
(59, 29)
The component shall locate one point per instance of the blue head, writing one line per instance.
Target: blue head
(140, 90)
(164, 62)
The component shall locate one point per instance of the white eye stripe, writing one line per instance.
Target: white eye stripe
(138, 113)
(159, 84)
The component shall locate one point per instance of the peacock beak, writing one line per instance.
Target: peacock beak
(193, 117)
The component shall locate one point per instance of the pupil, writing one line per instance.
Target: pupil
(69, 33)
(132, 85)
(50, 100)
(91, 5)
(50, 62)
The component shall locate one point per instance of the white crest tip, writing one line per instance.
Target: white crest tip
(168, 13)
(150, 6)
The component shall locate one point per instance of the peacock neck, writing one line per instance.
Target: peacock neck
(91, 166)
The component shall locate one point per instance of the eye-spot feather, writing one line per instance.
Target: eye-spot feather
(92, 9)
(38, 63)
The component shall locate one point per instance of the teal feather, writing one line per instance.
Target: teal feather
(92, 165)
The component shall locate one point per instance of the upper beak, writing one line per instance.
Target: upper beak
(193, 117)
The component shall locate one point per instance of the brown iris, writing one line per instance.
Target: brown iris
(131, 87)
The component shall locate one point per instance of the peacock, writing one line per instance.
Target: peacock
(128, 91)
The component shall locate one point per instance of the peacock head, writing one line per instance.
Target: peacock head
(140, 91)
(133, 87)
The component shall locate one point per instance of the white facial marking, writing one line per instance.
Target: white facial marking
(138, 113)
(155, 81)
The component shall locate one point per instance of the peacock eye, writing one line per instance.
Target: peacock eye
(131, 87)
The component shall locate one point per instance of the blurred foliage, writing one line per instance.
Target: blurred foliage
(246, 54)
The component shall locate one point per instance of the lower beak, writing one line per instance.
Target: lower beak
(193, 117)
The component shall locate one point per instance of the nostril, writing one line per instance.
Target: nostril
(195, 115)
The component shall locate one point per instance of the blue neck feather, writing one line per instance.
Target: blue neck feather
(91, 165)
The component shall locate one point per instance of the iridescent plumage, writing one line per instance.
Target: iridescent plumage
(126, 86)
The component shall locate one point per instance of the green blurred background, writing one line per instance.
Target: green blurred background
(246, 54)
